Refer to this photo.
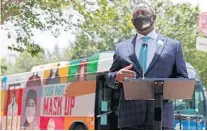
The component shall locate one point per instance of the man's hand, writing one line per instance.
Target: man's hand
(125, 73)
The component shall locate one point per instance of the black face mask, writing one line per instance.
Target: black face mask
(142, 23)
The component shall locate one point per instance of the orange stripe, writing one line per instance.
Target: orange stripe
(80, 88)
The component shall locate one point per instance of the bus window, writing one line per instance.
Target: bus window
(199, 101)
(195, 106)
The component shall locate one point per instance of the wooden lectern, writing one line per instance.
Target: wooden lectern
(158, 89)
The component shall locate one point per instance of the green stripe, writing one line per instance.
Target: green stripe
(92, 64)
(73, 69)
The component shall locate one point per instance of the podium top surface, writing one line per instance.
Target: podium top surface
(173, 88)
(160, 79)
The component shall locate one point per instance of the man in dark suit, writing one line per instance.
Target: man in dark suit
(151, 54)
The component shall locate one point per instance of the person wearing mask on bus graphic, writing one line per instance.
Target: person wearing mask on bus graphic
(147, 54)
(54, 77)
(30, 110)
(12, 113)
(82, 71)
(51, 124)
(34, 80)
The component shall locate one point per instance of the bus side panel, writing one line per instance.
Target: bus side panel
(12, 107)
(67, 102)
(52, 123)
(3, 83)
(80, 88)
(3, 111)
(53, 101)
(53, 106)
(84, 104)
(87, 121)
(3, 102)
(31, 108)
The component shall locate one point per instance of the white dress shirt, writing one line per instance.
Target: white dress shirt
(151, 45)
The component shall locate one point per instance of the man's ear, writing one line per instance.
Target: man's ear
(154, 18)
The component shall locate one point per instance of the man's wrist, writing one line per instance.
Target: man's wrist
(115, 77)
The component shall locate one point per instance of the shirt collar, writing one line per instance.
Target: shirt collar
(152, 35)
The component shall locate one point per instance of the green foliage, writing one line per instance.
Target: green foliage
(4, 66)
(102, 28)
(106, 26)
(26, 15)
(25, 61)
(110, 24)
(181, 22)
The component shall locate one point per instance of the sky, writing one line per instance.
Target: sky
(47, 41)
(202, 3)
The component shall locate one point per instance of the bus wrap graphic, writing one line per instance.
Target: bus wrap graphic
(54, 103)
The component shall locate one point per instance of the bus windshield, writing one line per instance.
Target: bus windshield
(195, 106)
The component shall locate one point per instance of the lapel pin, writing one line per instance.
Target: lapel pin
(160, 43)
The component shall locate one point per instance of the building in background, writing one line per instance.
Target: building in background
(7, 38)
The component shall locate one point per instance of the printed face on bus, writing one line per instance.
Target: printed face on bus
(35, 76)
(13, 98)
(54, 72)
(51, 124)
(30, 110)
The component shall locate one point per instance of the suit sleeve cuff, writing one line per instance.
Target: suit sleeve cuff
(114, 84)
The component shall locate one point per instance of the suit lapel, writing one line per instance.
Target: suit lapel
(161, 41)
(132, 55)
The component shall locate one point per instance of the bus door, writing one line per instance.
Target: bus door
(106, 105)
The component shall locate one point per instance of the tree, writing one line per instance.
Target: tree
(107, 25)
(4, 66)
(27, 15)
(25, 61)
(110, 24)
(181, 22)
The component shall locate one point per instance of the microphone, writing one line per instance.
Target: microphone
(145, 47)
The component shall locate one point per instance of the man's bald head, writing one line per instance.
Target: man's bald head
(143, 18)
(142, 6)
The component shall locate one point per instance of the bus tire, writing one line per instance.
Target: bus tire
(79, 126)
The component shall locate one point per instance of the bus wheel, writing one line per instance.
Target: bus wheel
(79, 126)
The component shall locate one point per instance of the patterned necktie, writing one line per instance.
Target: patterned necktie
(143, 53)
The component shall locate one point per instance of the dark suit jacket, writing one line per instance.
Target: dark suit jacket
(167, 63)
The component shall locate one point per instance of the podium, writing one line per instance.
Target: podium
(158, 89)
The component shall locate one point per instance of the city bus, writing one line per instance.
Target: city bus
(191, 114)
(74, 95)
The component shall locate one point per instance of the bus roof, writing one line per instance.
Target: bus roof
(99, 62)
(66, 63)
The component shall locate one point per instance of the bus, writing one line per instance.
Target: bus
(74, 95)
(191, 114)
